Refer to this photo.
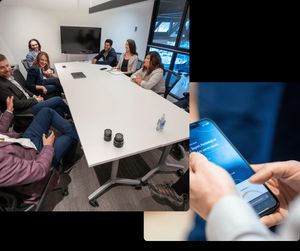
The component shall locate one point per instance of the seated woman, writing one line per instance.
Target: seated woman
(25, 161)
(151, 75)
(40, 84)
(129, 59)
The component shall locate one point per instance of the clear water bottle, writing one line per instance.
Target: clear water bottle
(161, 123)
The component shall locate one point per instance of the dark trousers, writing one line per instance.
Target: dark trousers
(56, 103)
(64, 144)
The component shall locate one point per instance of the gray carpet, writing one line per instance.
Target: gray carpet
(82, 181)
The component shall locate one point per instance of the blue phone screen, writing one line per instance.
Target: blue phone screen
(207, 138)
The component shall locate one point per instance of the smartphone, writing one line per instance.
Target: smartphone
(48, 133)
(207, 139)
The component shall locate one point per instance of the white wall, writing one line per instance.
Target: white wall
(19, 23)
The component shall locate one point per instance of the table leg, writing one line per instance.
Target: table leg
(113, 180)
(162, 163)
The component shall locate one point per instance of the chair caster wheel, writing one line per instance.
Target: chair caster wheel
(138, 187)
(180, 172)
(144, 183)
(94, 203)
(65, 192)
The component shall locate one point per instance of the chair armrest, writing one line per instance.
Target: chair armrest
(186, 94)
(25, 113)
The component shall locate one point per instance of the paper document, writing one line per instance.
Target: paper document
(115, 72)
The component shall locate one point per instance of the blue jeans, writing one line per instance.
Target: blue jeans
(55, 103)
(41, 123)
(53, 84)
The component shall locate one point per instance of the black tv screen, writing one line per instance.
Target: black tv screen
(78, 40)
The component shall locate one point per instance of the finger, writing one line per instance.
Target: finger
(196, 160)
(272, 219)
(257, 167)
(269, 170)
(44, 136)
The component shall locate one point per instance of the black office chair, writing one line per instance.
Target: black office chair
(22, 119)
(118, 55)
(12, 201)
(25, 64)
(178, 150)
(139, 64)
(171, 79)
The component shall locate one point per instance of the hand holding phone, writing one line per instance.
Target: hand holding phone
(209, 183)
(207, 139)
(49, 138)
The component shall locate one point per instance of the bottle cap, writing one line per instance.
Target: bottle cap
(118, 140)
(107, 134)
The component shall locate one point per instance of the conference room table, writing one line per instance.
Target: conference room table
(106, 99)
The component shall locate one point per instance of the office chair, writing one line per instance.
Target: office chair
(118, 55)
(22, 119)
(25, 64)
(11, 200)
(178, 150)
(171, 79)
(139, 64)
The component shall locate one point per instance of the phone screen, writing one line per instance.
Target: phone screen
(208, 139)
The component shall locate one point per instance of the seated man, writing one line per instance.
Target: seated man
(108, 55)
(25, 162)
(23, 99)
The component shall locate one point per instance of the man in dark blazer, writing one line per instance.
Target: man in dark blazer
(25, 162)
(24, 99)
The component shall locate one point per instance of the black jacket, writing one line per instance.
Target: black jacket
(110, 59)
(7, 88)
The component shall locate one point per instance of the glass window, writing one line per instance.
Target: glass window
(182, 66)
(168, 21)
(170, 38)
(185, 36)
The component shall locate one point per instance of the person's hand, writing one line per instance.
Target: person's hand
(10, 103)
(49, 73)
(94, 61)
(138, 79)
(44, 90)
(208, 184)
(283, 178)
(50, 140)
(39, 98)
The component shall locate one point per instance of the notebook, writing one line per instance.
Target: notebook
(76, 75)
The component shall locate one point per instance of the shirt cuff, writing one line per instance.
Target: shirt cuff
(142, 83)
(232, 218)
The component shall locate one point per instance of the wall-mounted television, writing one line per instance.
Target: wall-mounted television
(80, 40)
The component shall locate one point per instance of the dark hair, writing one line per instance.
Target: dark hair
(109, 41)
(2, 57)
(37, 41)
(38, 57)
(132, 46)
(155, 62)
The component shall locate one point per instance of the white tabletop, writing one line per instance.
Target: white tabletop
(103, 100)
